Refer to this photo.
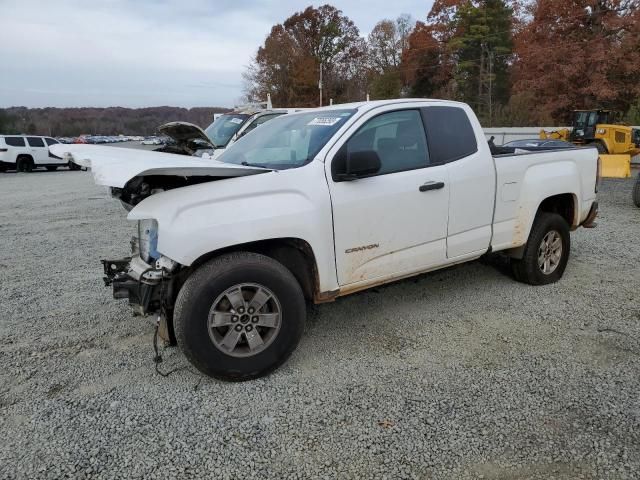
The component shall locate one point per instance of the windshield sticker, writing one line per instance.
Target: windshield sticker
(324, 121)
(236, 120)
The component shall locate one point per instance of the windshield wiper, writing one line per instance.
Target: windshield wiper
(247, 164)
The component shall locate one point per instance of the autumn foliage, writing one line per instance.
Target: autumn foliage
(516, 62)
(582, 54)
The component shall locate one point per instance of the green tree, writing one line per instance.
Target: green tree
(633, 115)
(482, 49)
(4, 121)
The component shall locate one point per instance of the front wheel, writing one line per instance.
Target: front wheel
(546, 253)
(239, 316)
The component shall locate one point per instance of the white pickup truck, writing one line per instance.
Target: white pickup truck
(323, 203)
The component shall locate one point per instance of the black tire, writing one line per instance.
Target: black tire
(636, 192)
(201, 290)
(602, 149)
(3, 168)
(527, 269)
(73, 166)
(24, 164)
(51, 168)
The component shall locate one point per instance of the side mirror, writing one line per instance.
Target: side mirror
(359, 164)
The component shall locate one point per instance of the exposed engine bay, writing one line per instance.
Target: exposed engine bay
(139, 188)
(189, 139)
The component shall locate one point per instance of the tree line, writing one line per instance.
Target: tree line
(516, 62)
(71, 122)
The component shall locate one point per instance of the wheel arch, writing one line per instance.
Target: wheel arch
(294, 253)
(564, 204)
(25, 156)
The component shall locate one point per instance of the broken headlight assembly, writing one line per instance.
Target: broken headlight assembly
(148, 240)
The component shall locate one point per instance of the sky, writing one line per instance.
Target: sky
(138, 53)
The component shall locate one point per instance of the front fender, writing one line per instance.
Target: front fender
(196, 220)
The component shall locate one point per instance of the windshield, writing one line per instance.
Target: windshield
(223, 128)
(287, 142)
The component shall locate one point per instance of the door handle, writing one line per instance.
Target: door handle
(431, 186)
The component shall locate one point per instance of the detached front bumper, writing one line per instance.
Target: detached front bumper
(149, 288)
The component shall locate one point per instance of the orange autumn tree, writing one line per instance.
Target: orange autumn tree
(288, 64)
(576, 54)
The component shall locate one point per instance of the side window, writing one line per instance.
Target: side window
(14, 141)
(451, 136)
(397, 137)
(51, 141)
(35, 142)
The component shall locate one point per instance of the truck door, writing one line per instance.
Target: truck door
(393, 222)
(38, 150)
(453, 142)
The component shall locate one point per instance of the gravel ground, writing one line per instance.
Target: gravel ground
(461, 373)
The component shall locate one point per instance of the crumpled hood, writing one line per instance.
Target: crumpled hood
(185, 132)
(114, 166)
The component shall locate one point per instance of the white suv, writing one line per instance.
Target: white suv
(26, 152)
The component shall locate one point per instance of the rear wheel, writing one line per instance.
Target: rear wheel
(602, 149)
(24, 164)
(239, 316)
(546, 253)
(636, 192)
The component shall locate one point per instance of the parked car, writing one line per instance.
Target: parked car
(324, 203)
(25, 153)
(226, 129)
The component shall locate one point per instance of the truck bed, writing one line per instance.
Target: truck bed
(523, 179)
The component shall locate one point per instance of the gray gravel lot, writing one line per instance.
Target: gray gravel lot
(461, 373)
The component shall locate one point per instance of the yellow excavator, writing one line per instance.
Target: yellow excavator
(615, 143)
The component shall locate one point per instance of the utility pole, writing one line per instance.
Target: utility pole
(491, 88)
(320, 84)
(485, 83)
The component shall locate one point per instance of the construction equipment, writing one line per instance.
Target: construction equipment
(616, 143)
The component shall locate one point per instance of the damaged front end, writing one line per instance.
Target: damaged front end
(146, 279)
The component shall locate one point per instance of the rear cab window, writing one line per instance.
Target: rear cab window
(450, 134)
(35, 142)
(14, 141)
